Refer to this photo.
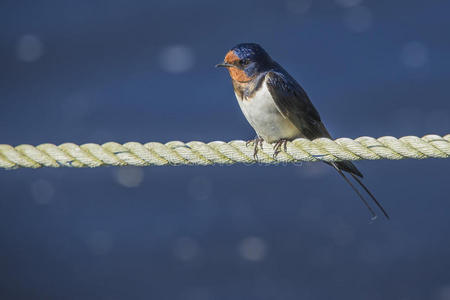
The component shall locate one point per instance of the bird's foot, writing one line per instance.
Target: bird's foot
(278, 145)
(257, 142)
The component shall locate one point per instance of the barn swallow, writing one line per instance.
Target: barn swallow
(278, 108)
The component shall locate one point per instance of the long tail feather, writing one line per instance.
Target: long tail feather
(371, 196)
(372, 212)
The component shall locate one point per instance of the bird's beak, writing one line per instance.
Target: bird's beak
(225, 65)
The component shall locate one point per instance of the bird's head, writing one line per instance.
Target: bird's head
(246, 61)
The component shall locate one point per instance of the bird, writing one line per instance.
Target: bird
(278, 108)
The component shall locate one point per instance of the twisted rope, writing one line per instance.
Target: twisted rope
(199, 153)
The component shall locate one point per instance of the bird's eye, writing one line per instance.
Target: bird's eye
(244, 62)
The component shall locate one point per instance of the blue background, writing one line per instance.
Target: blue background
(97, 71)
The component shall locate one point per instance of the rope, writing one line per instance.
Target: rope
(199, 153)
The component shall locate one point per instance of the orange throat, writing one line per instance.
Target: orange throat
(235, 73)
(238, 75)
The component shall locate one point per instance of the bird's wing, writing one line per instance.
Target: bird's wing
(293, 103)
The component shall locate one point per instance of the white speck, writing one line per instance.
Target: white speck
(299, 6)
(252, 248)
(100, 242)
(414, 55)
(42, 191)
(29, 48)
(129, 176)
(177, 59)
(348, 3)
(358, 19)
(200, 188)
(185, 249)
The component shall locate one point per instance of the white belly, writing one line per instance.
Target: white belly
(263, 115)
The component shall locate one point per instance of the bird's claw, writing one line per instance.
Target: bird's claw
(257, 142)
(280, 144)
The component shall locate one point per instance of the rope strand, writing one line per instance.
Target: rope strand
(199, 153)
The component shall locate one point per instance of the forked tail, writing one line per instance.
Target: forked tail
(352, 170)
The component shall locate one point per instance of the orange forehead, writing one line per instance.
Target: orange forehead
(231, 57)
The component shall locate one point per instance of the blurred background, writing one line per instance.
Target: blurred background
(98, 71)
